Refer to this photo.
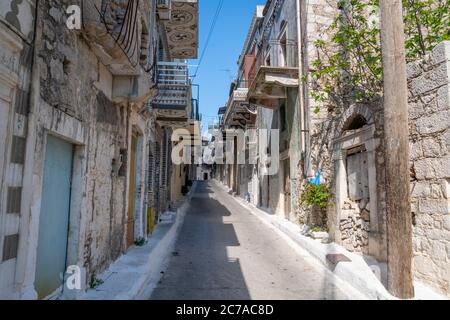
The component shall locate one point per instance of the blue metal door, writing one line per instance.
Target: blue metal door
(54, 217)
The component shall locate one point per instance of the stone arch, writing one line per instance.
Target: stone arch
(357, 221)
(354, 115)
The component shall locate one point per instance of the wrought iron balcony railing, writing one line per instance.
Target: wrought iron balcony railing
(241, 84)
(173, 86)
(276, 54)
(164, 9)
(173, 73)
(114, 25)
(164, 3)
(196, 115)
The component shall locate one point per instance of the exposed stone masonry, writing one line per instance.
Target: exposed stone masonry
(354, 226)
(429, 116)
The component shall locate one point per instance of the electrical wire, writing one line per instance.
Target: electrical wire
(208, 39)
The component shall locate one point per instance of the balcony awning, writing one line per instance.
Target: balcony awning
(270, 83)
(169, 106)
(281, 80)
(236, 114)
(222, 111)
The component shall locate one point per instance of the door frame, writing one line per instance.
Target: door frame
(74, 214)
(361, 138)
(131, 192)
(287, 188)
(135, 196)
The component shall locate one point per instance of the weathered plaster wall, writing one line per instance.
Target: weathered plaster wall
(16, 51)
(19, 15)
(316, 17)
(71, 106)
(429, 113)
(327, 123)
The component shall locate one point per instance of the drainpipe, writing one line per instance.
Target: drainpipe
(303, 114)
(301, 100)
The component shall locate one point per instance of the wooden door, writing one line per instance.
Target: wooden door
(357, 176)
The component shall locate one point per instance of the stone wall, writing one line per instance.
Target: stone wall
(327, 124)
(16, 57)
(354, 227)
(429, 114)
(316, 18)
(70, 97)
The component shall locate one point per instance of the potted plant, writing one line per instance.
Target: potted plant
(316, 197)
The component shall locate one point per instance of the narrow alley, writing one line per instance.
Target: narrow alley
(224, 150)
(225, 252)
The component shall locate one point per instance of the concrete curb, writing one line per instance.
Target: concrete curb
(135, 274)
(356, 273)
(164, 250)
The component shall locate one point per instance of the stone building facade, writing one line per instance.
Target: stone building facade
(16, 57)
(89, 170)
(345, 144)
(429, 116)
(270, 50)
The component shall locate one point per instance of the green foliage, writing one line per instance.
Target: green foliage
(301, 220)
(427, 23)
(315, 195)
(317, 229)
(95, 282)
(139, 242)
(349, 66)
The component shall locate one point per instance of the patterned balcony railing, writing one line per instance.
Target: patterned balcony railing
(172, 97)
(173, 86)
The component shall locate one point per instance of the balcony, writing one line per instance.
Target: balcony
(222, 111)
(274, 69)
(173, 104)
(112, 28)
(237, 113)
(182, 29)
(195, 115)
(164, 8)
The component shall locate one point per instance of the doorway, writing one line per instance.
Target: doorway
(54, 217)
(287, 188)
(132, 191)
(357, 175)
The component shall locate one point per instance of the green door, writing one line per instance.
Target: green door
(54, 217)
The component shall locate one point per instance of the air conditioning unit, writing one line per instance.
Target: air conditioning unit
(164, 9)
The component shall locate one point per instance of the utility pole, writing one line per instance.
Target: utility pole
(303, 112)
(399, 220)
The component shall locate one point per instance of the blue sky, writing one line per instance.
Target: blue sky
(219, 64)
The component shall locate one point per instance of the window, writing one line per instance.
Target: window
(160, 51)
(268, 60)
(283, 126)
(282, 45)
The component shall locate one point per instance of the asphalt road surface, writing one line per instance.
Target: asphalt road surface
(225, 252)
